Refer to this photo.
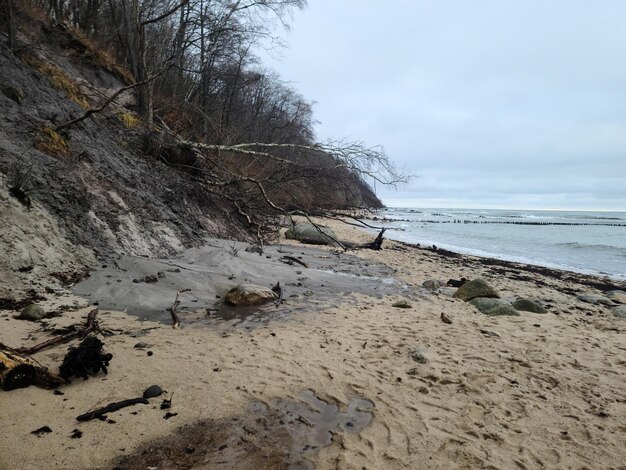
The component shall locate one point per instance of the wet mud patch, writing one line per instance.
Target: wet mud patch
(281, 434)
(147, 287)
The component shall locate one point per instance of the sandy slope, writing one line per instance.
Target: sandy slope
(535, 391)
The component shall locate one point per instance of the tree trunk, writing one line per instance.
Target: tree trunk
(18, 371)
(144, 92)
(10, 14)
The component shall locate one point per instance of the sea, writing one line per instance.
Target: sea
(580, 241)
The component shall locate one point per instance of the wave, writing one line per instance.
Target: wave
(603, 218)
(616, 251)
(592, 246)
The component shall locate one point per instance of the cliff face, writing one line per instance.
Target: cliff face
(67, 198)
(95, 189)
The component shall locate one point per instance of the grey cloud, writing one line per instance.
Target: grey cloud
(525, 97)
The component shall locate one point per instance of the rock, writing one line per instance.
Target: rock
(456, 282)
(148, 279)
(308, 233)
(493, 307)
(161, 275)
(401, 304)
(249, 294)
(433, 284)
(448, 291)
(618, 296)
(152, 391)
(489, 333)
(502, 309)
(418, 356)
(32, 312)
(620, 311)
(527, 305)
(255, 248)
(13, 93)
(475, 288)
(595, 299)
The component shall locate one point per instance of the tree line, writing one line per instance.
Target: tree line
(196, 75)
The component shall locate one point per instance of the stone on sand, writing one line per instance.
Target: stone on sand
(418, 356)
(620, 311)
(32, 312)
(618, 296)
(249, 294)
(493, 307)
(433, 284)
(527, 305)
(475, 288)
(401, 304)
(595, 299)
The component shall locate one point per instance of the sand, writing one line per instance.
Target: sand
(533, 391)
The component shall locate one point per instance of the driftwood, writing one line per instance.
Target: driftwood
(172, 309)
(97, 413)
(292, 259)
(18, 370)
(92, 325)
(375, 245)
(278, 290)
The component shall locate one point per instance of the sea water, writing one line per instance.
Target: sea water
(587, 242)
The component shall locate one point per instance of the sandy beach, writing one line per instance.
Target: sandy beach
(336, 377)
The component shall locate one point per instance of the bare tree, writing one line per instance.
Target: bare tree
(8, 8)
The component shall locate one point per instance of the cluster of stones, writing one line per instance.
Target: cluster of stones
(487, 300)
(616, 299)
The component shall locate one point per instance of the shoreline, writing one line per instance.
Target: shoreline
(596, 280)
(541, 390)
(557, 250)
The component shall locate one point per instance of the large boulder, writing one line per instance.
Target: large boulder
(475, 288)
(308, 233)
(618, 296)
(527, 305)
(32, 312)
(249, 294)
(493, 307)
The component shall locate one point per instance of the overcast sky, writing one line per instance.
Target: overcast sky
(492, 103)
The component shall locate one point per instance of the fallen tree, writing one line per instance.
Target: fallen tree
(18, 370)
(267, 181)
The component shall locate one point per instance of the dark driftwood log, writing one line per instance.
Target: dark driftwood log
(172, 309)
(91, 326)
(375, 245)
(292, 259)
(278, 290)
(18, 370)
(111, 407)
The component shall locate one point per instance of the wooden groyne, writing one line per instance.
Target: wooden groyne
(517, 222)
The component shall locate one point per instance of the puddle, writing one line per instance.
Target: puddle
(281, 434)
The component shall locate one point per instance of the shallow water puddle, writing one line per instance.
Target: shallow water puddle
(321, 419)
(281, 434)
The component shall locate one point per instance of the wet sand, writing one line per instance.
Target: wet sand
(532, 391)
